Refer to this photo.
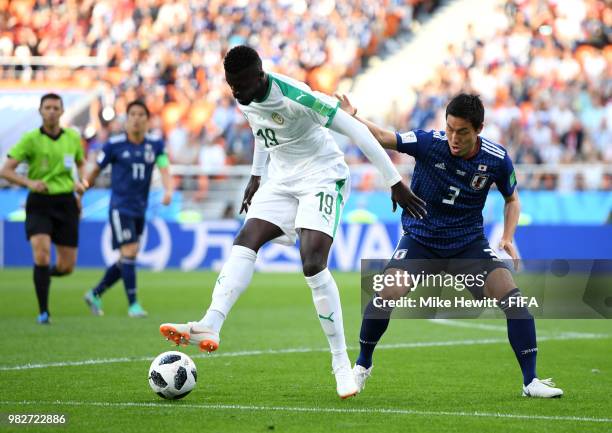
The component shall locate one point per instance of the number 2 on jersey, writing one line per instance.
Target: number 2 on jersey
(268, 134)
(452, 195)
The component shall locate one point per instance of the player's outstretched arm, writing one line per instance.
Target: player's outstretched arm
(363, 138)
(385, 137)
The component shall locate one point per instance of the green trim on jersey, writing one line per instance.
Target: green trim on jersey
(162, 161)
(332, 115)
(50, 160)
(267, 91)
(307, 100)
(339, 185)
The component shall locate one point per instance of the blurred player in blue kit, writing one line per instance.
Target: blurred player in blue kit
(132, 156)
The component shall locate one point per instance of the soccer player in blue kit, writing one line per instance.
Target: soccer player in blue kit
(453, 173)
(132, 155)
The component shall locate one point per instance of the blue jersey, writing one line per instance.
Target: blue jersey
(132, 169)
(455, 189)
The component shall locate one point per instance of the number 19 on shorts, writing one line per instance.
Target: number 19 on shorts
(326, 203)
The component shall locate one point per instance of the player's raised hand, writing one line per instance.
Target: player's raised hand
(509, 248)
(403, 195)
(345, 104)
(249, 192)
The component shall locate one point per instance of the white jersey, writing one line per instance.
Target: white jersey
(291, 123)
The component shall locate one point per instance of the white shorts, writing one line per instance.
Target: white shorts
(313, 203)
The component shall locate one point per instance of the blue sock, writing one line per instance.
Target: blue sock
(522, 335)
(111, 276)
(373, 326)
(128, 273)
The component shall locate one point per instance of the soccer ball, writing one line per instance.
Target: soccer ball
(172, 375)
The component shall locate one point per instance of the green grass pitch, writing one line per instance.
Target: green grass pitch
(272, 372)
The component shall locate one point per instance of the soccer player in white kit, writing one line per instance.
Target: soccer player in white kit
(307, 187)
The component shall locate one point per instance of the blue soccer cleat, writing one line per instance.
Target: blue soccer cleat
(136, 310)
(94, 302)
(44, 318)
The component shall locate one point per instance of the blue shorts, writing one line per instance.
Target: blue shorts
(475, 258)
(126, 229)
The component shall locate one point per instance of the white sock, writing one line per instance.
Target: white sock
(329, 310)
(234, 278)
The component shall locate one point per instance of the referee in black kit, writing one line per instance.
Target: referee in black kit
(52, 207)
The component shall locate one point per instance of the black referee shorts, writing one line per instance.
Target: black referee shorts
(55, 215)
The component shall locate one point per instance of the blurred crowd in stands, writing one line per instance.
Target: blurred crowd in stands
(546, 81)
(170, 52)
(545, 77)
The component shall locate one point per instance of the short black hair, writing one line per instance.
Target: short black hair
(239, 58)
(51, 96)
(468, 107)
(138, 103)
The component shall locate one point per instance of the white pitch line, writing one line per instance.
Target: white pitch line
(465, 324)
(503, 328)
(560, 337)
(383, 411)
